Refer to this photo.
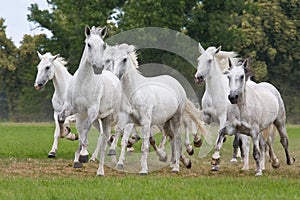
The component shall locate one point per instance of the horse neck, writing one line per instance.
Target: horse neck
(61, 79)
(85, 70)
(131, 79)
(245, 99)
(216, 82)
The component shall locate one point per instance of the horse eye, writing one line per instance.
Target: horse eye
(89, 45)
(242, 77)
(48, 67)
(124, 60)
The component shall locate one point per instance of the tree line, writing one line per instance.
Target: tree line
(266, 31)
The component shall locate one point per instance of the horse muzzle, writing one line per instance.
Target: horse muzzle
(199, 79)
(38, 86)
(233, 98)
(97, 70)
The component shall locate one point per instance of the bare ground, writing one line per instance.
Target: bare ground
(35, 168)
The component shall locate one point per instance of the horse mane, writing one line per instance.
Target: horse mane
(222, 59)
(132, 53)
(60, 59)
(96, 30)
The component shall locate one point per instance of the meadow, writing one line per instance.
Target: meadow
(27, 173)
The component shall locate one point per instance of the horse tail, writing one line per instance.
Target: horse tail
(194, 114)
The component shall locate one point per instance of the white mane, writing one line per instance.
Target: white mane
(222, 57)
(60, 59)
(131, 51)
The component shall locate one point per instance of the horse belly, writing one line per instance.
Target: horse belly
(165, 109)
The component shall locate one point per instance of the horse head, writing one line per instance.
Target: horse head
(45, 69)
(94, 47)
(205, 61)
(237, 75)
(116, 58)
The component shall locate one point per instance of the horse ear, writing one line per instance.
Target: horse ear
(87, 31)
(40, 55)
(218, 49)
(229, 63)
(247, 68)
(200, 48)
(54, 57)
(131, 48)
(103, 32)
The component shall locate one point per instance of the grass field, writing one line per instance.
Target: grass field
(27, 173)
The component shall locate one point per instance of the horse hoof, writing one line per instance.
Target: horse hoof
(215, 161)
(190, 152)
(276, 164)
(175, 171)
(77, 165)
(291, 161)
(67, 130)
(120, 166)
(100, 175)
(143, 173)
(198, 143)
(111, 152)
(233, 160)
(83, 159)
(163, 158)
(215, 168)
(189, 165)
(51, 154)
(258, 173)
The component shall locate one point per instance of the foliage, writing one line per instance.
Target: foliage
(265, 31)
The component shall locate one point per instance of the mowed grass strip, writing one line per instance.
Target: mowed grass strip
(27, 173)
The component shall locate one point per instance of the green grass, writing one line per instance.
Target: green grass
(27, 173)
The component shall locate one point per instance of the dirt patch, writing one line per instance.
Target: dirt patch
(35, 168)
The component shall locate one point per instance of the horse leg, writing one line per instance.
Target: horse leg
(145, 148)
(197, 138)
(86, 126)
(216, 155)
(177, 145)
(52, 152)
(256, 152)
(188, 146)
(67, 129)
(280, 125)
(235, 145)
(262, 146)
(274, 159)
(98, 125)
(106, 124)
(77, 163)
(132, 140)
(124, 143)
(219, 143)
(245, 143)
(160, 152)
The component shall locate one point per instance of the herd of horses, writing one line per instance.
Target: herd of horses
(107, 90)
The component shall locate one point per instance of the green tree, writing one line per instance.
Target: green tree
(66, 21)
(8, 55)
(29, 104)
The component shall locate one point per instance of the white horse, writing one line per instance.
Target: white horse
(53, 68)
(215, 104)
(260, 105)
(148, 101)
(94, 97)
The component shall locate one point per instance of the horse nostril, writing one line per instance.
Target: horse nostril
(40, 84)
